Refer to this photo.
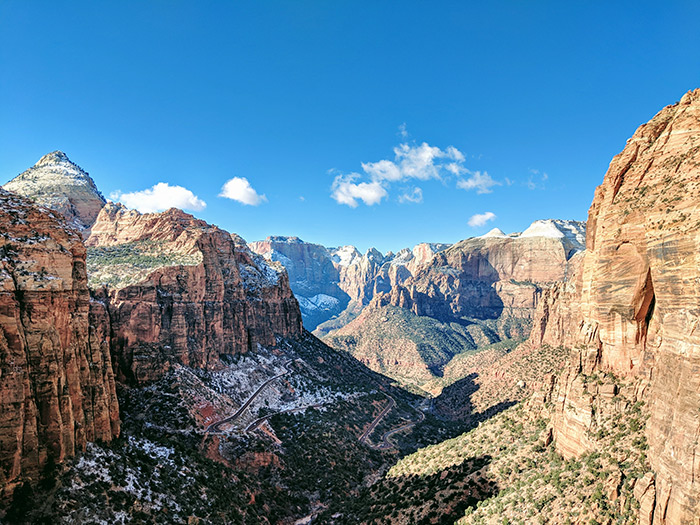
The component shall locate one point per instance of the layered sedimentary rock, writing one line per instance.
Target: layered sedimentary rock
(492, 276)
(57, 388)
(337, 283)
(57, 183)
(638, 308)
(313, 277)
(200, 293)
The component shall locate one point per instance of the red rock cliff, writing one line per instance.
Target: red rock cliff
(635, 308)
(56, 383)
(180, 290)
(491, 276)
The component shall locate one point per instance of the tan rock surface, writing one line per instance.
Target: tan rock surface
(57, 388)
(639, 307)
(57, 183)
(204, 294)
(486, 278)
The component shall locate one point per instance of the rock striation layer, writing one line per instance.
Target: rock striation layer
(57, 183)
(57, 389)
(633, 311)
(313, 276)
(493, 276)
(201, 294)
(333, 285)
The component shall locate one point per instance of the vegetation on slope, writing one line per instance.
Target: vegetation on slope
(508, 471)
(417, 350)
(129, 263)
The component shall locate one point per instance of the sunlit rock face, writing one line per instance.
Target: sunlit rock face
(633, 309)
(57, 183)
(179, 290)
(57, 389)
(493, 276)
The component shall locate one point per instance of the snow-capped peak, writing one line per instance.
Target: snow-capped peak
(495, 232)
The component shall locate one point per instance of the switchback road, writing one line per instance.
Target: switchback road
(216, 427)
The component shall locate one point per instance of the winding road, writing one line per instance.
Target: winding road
(216, 426)
(386, 443)
(373, 425)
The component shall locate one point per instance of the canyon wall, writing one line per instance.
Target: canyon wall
(492, 276)
(57, 389)
(633, 311)
(200, 292)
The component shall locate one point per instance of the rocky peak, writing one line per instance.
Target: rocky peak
(55, 157)
(58, 183)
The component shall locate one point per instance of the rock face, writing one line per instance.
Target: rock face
(638, 310)
(494, 276)
(58, 183)
(480, 291)
(339, 282)
(57, 388)
(313, 277)
(201, 295)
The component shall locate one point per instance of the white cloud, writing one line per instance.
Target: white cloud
(480, 219)
(160, 197)
(345, 191)
(382, 170)
(481, 182)
(239, 189)
(411, 161)
(416, 196)
(403, 131)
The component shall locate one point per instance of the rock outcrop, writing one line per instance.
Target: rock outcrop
(634, 312)
(494, 276)
(337, 283)
(58, 183)
(57, 389)
(313, 277)
(200, 292)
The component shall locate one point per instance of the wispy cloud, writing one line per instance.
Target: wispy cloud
(415, 196)
(403, 132)
(536, 180)
(480, 219)
(240, 190)
(159, 197)
(479, 181)
(346, 191)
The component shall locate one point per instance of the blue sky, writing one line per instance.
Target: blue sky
(512, 108)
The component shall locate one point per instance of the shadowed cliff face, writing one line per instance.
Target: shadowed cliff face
(202, 294)
(57, 388)
(633, 309)
(486, 278)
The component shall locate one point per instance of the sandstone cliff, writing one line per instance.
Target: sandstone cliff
(57, 388)
(313, 277)
(493, 276)
(333, 285)
(57, 183)
(633, 311)
(181, 291)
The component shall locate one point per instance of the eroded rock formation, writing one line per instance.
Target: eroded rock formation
(492, 276)
(57, 183)
(201, 293)
(57, 388)
(635, 311)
